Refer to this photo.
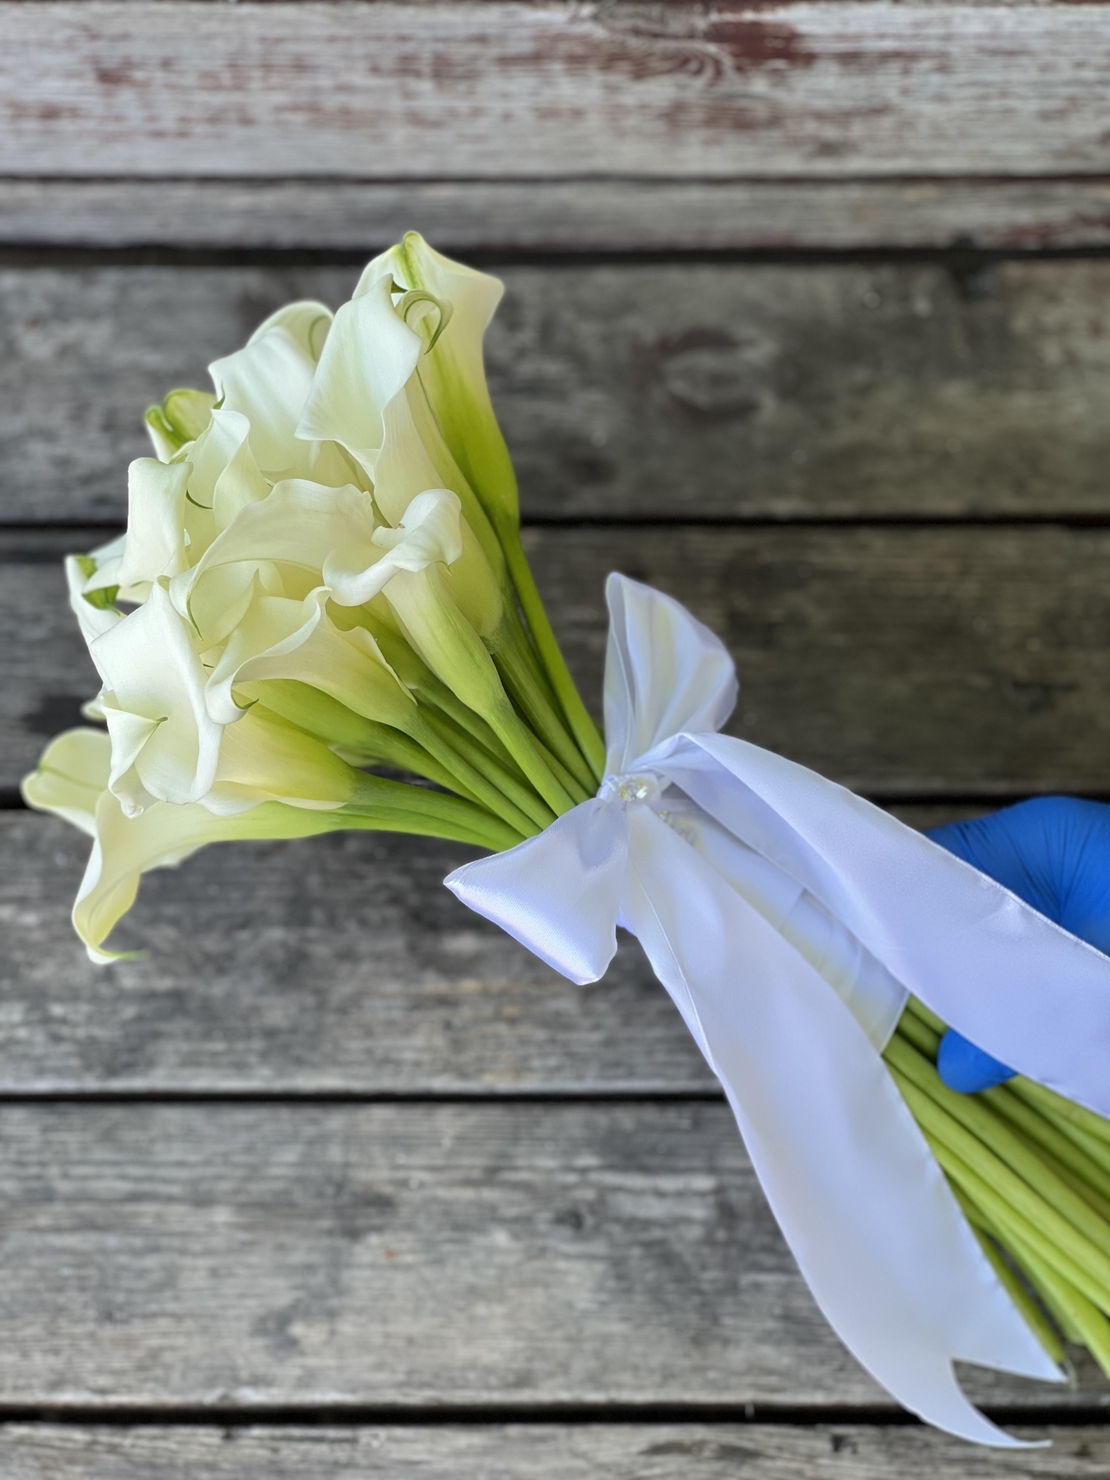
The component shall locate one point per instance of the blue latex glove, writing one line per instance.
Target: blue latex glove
(1052, 852)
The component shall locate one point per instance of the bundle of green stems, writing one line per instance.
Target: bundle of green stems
(1031, 1171)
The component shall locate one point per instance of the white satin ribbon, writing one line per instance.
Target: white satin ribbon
(788, 919)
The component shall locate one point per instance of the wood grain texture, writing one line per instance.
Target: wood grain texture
(731, 391)
(628, 216)
(517, 1255)
(442, 90)
(649, 1451)
(902, 662)
(337, 965)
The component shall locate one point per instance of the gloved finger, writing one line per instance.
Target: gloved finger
(967, 1069)
(1052, 852)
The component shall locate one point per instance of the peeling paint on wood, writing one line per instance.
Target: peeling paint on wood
(482, 90)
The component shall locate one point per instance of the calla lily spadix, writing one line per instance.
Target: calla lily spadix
(320, 617)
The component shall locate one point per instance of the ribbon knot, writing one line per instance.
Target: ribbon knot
(635, 786)
(788, 920)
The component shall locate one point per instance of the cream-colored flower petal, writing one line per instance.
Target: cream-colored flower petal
(293, 530)
(429, 532)
(225, 477)
(308, 321)
(155, 543)
(127, 847)
(102, 566)
(265, 759)
(128, 734)
(280, 639)
(95, 616)
(367, 360)
(152, 670)
(181, 418)
(452, 372)
(475, 587)
(70, 776)
(269, 380)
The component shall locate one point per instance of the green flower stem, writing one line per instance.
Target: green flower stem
(574, 789)
(1094, 1147)
(398, 806)
(930, 1019)
(1039, 1128)
(1008, 1200)
(1079, 1318)
(456, 654)
(1027, 1307)
(978, 1132)
(511, 730)
(1060, 1109)
(536, 707)
(983, 1225)
(478, 779)
(469, 754)
(428, 690)
(1012, 1229)
(337, 725)
(922, 1038)
(418, 747)
(438, 696)
(581, 725)
(1089, 1194)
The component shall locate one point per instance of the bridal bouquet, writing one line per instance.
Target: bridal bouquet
(322, 580)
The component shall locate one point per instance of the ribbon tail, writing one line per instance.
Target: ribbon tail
(1011, 981)
(558, 893)
(864, 1206)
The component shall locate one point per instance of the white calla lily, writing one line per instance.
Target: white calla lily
(429, 532)
(71, 782)
(71, 775)
(293, 530)
(93, 604)
(310, 508)
(269, 380)
(164, 745)
(368, 359)
(283, 639)
(155, 542)
(225, 478)
(367, 398)
(181, 418)
(452, 372)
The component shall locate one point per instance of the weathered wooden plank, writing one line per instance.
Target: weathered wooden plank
(433, 90)
(903, 662)
(559, 215)
(339, 966)
(739, 391)
(405, 1255)
(650, 1451)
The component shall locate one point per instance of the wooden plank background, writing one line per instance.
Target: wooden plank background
(806, 322)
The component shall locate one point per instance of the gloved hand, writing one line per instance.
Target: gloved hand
(1052, 852)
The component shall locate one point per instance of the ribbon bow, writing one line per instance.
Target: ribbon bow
(789, 919)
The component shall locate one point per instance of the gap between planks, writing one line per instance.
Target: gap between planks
(573, 216)
(830, 1449)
